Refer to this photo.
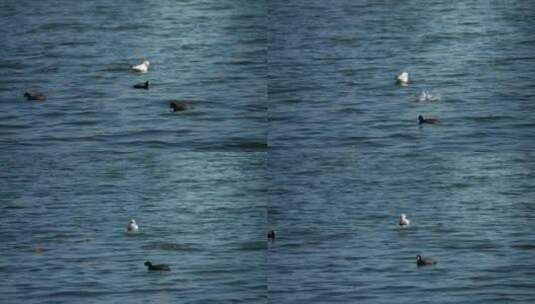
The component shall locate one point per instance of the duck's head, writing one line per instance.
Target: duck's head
(148, 264)
(27, 94)
(177, 106)
(420, 119)
(418, 257)
(147, 83)
(146, 62)
(403, 216)
(132, 221)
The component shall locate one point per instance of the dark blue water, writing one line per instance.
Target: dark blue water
(347, 156)
(210, 53)
(76, 167)
(314, 81)
(332, 70)
(339, 241)
(64, 219)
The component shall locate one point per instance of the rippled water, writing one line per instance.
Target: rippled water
(339, 240)
(79, 55)
(346, 156)
(64, 219)
(76, 167)
(332, 69)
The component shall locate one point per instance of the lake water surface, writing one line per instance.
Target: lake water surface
(297, 126)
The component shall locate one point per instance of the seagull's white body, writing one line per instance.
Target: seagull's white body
(142, 68)
(403, 220)
(132, 226)
(403, 78)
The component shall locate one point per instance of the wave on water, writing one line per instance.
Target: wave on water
(490, 118)
(248, 145)
(170, 247)
(252, 246)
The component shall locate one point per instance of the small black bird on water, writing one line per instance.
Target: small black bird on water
(142, 85)
(34, 96)
(178, 106)
(422, 120)
(424, 261)
(271, 235)
(159, 267)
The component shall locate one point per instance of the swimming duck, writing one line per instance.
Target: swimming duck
(424, 261)
(403, 78)
(142, 85)
(142, 68)
(422, 120)
(132, 226)
(178, 106)
(159, 267)
(271, 235)
(34, 96)
(403, 220)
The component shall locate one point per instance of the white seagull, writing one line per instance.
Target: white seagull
(132, 226)
(403, 220)
(142, 68)
(403, 78)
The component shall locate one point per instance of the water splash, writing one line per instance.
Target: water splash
(427, 96)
